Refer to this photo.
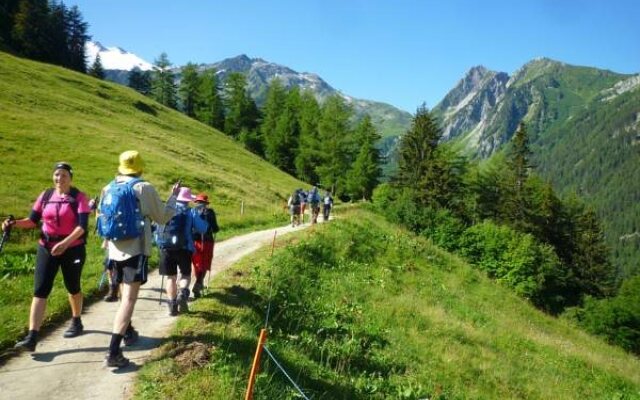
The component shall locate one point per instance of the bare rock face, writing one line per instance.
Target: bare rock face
(471, 102)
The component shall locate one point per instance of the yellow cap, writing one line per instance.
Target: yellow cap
(130, 163)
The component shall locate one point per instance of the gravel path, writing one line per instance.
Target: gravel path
(73, 368)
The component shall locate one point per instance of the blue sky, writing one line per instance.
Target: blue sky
(401, 52)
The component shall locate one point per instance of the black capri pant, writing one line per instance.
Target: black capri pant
(71, 263)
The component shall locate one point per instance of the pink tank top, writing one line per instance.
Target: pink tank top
(58, 217)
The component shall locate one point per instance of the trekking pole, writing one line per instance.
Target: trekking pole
(6, 234)
(273, 242)
(161, 290)
(213, 252)
(101, 281)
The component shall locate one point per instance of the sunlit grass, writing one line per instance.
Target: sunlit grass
(363, 310)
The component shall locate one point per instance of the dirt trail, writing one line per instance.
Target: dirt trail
(73, 368)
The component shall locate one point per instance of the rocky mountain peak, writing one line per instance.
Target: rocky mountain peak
(241, 63)
(473, 82)
(475, 74)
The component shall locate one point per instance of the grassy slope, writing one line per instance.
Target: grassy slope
(363, 310)
(49, 114)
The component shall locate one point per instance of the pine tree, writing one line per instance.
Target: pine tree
(273, 108)
(140, 81)
(417, 149)
(519, 157)
(287, 133)
(433, 172)
(76, 40)
(593, 273)
(335, 137)
(44, 31)
(189, 89)
(487, 191)
(29, 34)
(309, 152)
(96, 70)
(516, 201)
(163, 82)
(211, 107)
(242, 111)
(8, 9)
(365, 172)
(58, 50)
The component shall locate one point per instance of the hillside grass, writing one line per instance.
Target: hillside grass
(360, 309)
(48, 114)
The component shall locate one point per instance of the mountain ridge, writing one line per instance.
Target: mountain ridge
(485, 121)
(388, 119)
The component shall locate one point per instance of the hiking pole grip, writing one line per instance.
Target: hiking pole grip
(6, 233)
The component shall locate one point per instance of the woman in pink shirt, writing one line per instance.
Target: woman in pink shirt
(64, 213)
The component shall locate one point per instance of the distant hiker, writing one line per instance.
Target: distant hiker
(64, 213)
(127, 206)
(313, 198)
(175, 240)
(327, 205)
(294, 207)
(203, 243)
(303, 203)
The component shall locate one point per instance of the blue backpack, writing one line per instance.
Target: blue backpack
(314, 197)
(120, 217)
(173, 235)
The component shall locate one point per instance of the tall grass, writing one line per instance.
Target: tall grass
(360, 309)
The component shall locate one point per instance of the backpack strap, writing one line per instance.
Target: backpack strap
(46, 197)
(74, 192)
(133, 181)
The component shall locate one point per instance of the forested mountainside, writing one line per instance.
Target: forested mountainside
(583, 125)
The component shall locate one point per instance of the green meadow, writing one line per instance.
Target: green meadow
(48, 114)
(360, 309)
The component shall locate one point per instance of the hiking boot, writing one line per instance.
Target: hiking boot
(28, 343)
(117, 361)
(112, 296)
(74, 330)
(183, 305)
(131, 337)
(197, 290)
(173, 308)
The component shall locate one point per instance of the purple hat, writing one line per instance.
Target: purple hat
(185, 195)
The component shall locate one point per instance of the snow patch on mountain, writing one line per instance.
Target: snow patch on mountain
(114, 57)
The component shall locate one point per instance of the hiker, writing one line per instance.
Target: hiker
(127, 206)
(303, 204)
(294, 207)
(175, 240)
(203, 243)
(327, 205)
(313, 198)
(64, 213)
